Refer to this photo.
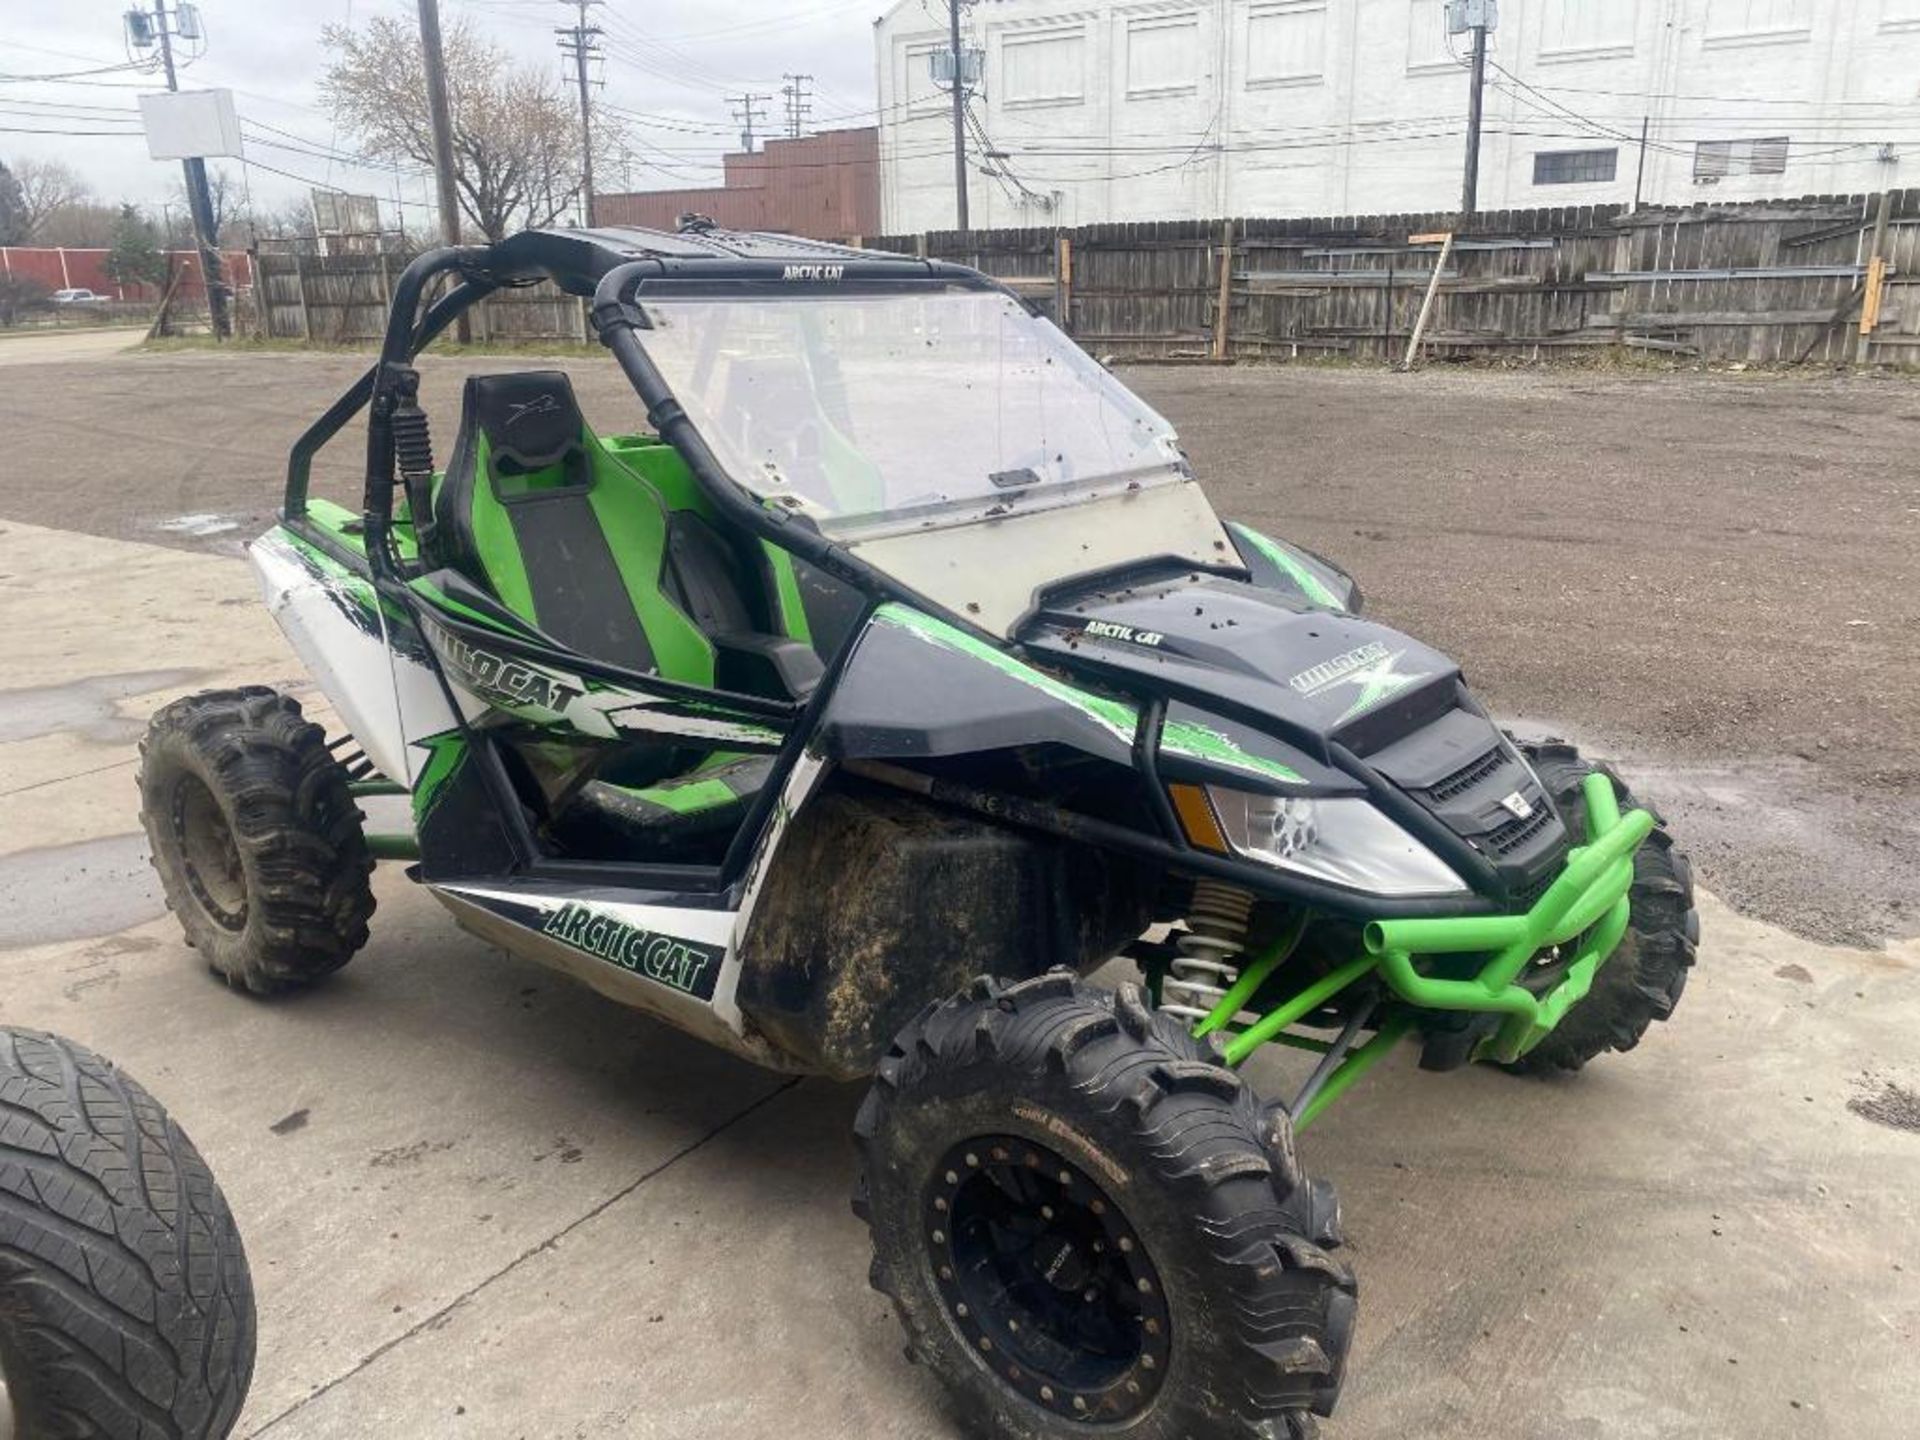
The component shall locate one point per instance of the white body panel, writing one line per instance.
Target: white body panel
(386, 700)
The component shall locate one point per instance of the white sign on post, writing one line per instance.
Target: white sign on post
(191, 124)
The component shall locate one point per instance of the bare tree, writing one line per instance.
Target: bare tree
(225, 194)
(84, 225)
(516, 135)
(47, 187)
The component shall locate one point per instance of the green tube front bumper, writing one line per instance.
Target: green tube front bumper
(1587, 905)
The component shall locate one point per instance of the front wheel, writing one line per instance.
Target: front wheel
(1642, 980)
(1086, 1222)
(256, 837)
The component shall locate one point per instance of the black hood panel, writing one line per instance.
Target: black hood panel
(1351, 693)
(1311, 674)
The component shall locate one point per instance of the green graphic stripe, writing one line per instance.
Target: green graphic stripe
(1311, 585)
(1183, 739)
(1121, 719)
(445, 754)
(1189, 741)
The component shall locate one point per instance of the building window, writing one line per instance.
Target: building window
(1043, 68)
(1286, 42)
(1575, 167)
(1588, 29)
(1713, 159)
(1746, 22)
(1163, 55)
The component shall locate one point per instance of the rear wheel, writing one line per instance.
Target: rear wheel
(256, 837)
(126, 1308)
(1086, 1223)
(1644, 978)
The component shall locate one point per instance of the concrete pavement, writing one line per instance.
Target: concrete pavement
(482, 1202)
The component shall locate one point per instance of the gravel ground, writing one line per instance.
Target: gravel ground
(1711, 577)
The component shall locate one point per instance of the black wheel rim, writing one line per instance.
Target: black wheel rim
(1045, 1279)
(209, 854)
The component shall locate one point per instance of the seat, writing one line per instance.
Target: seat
(536, 511)
(560, 529)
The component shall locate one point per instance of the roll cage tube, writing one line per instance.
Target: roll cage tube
(616, 320)
(407, 292)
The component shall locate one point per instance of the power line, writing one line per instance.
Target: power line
(748, 109)
(581, 42)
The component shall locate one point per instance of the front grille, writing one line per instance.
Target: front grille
(1468, 776)
(1516, 834)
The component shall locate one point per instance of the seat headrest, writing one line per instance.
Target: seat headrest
(529, 417)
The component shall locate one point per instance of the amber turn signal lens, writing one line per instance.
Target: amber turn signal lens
(1190, 803)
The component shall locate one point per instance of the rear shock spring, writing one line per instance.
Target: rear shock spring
(1210, 950)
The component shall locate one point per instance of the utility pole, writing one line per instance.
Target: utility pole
(959, 117)
(580, 40)
(1480, 16)
(440, 115)
(194, 169)
(747, 110)
(799, 103)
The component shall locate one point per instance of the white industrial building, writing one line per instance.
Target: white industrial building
(1099, 110)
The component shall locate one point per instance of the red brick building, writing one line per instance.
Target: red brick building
(824, 186)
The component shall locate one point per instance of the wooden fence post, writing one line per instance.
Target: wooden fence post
(1876, 280)
(300, 287)
(1063, 281)
(1223, 310)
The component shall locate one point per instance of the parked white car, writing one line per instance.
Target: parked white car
(80, 297)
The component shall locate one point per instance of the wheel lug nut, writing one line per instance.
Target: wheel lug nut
(1090, 1295)
(941, 1206)
(1046, 1393)
(985, 1343)
(1046, 1212)
(952, 1178)
(1145, 1286)
(1146, 1362)
(973, 1162)
(946, 1273)
(940, 1238)
(1080, 1403)
(961, 1311)
(1126, 1245)
(1014, 1326)
(1066, 1177)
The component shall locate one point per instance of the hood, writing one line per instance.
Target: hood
(1311, 675)
(1353, 695)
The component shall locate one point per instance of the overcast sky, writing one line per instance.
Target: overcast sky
(674, 62)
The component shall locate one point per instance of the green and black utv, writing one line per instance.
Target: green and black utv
(896, 677)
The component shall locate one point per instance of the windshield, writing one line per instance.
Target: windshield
(905, 410)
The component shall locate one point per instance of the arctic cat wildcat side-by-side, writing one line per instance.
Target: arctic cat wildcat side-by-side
(896, 678)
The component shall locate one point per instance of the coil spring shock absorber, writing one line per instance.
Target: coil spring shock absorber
(1210, 950)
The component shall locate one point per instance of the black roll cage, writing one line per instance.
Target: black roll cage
(611, 288)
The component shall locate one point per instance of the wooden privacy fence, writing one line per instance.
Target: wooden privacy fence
(343, 299)
(1831, 278)
(1787, 281)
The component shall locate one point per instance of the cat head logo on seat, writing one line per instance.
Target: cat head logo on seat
(528, 409)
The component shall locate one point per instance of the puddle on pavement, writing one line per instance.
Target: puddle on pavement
(74, 892)
(88, 708)
(199, 526)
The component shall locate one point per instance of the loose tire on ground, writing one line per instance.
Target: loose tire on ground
(256, 837)
(1643, 980)
(126, 1308)
(1244, 1317)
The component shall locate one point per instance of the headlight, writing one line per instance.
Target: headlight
(1344, 841)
